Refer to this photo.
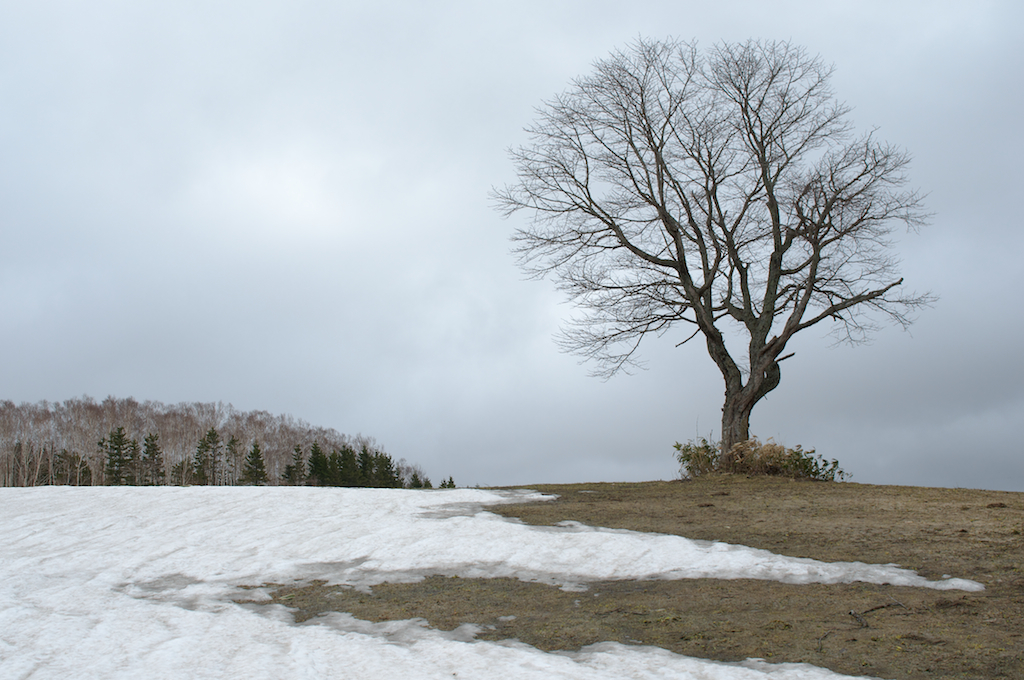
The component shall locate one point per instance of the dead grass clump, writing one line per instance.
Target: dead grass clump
(751, 457)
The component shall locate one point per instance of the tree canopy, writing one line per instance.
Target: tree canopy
(722, 191)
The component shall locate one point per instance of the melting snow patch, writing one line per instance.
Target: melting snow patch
(108, 582)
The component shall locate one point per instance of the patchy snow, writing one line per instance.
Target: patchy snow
(125, 582)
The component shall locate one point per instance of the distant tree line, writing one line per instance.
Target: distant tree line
(84, 442)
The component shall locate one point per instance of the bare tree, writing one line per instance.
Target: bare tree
(723, 191)
(56, 442)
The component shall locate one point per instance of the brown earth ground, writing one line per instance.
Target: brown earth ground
(856, 629)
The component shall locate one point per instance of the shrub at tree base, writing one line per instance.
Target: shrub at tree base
(697, 458)
(751, 457)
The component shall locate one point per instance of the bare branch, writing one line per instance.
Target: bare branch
(674, 186)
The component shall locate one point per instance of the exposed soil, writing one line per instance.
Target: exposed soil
(857, 629)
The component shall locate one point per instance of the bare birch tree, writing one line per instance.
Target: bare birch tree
(721, 191)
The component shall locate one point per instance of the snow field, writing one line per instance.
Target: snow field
(120, 582)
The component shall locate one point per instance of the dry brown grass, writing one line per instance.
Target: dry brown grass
(893, 632)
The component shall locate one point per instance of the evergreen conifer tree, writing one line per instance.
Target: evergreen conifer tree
(319, 468)
(255, 471)
(385, 476)
(181, 474)
(231, 460)
(117, 450)
(348, 468)
(334, 469)
(205, 463)
(215, 448)
(134, 463)
(152, 464)
(365, 466)
(295, 472)
(200, 466)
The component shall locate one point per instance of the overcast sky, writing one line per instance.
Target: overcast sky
(284, 206)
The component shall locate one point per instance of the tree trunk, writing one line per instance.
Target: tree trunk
(739, 402)
(735, 426)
